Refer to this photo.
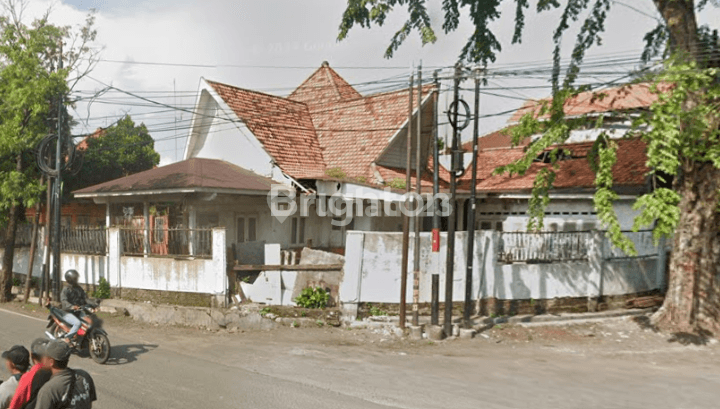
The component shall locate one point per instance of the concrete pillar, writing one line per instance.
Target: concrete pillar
(349, 293)
(273, 254)
(661, 263)
(114, 275)
(219, 263)
(192, 225)
(596, 260)
(146, 229)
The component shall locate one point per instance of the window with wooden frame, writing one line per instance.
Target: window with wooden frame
(245, 229)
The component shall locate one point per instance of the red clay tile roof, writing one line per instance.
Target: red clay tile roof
(323, 124)
(497, 139)
(284, 127)
(190, 173)
(630, 169)
(354, 133)
(626, 97)
(83, 144)
(323, 87)
(426, 178)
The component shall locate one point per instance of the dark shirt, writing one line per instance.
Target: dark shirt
(56, 390)
(73, 295)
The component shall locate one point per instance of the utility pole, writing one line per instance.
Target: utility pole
(471, 214)
(58, 194)
(406, 221)
(418, 190)
(455, 162)
(435, 289)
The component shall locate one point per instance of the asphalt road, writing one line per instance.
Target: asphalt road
(144, 375)
(619, 366)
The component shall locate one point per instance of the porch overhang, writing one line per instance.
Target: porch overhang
(163, 194)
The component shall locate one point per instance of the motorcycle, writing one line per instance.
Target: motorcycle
(91, 335)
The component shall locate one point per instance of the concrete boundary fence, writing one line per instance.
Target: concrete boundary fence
(185, 275)
(373, 261)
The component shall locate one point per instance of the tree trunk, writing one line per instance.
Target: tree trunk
(9, 255)
(679, 16)
(33, 247)
(691, 302)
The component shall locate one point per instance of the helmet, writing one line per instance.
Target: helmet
(71, 276)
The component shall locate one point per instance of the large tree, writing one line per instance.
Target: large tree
(683, 138)
(30, 87)
(114, 152)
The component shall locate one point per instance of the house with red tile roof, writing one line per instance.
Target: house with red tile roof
(505, 202)
(323, 138)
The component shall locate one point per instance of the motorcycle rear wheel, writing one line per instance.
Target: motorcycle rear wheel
(99, 347)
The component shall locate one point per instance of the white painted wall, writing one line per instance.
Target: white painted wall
(90, 267)
(168, 274)
(373, 265)
(217, 133)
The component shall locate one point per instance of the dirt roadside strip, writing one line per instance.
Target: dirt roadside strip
(251, 319)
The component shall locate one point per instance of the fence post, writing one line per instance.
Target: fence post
(349, 292)
(219, 260)
(146, 228)
(596, 261)
(114, 253)
(192, 225)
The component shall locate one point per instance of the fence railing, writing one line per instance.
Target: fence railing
(170, 242)
(83, 240)
(644, 245)
(23, 235)
(543, 247)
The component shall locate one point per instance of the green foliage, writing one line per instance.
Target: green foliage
(440, 144)
(336, 173)
(120, 150)
(16, 282)
(683, 128)
(26, 87)
(265, 311)
(398, 183)
(360, 179)
(313, 298)
(376, 312)
(103, 289)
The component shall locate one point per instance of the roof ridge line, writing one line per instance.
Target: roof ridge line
(256, 92)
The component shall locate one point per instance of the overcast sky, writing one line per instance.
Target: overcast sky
(288, 40)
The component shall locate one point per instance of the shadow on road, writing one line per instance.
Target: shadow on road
(125, 354)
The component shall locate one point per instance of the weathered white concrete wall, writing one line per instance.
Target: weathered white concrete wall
(168, 274)
(151, 273)
(90, 267)
(373, 265)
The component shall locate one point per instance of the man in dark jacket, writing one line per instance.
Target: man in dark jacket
(73, 298)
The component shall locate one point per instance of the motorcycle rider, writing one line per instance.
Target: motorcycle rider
(73, 298)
